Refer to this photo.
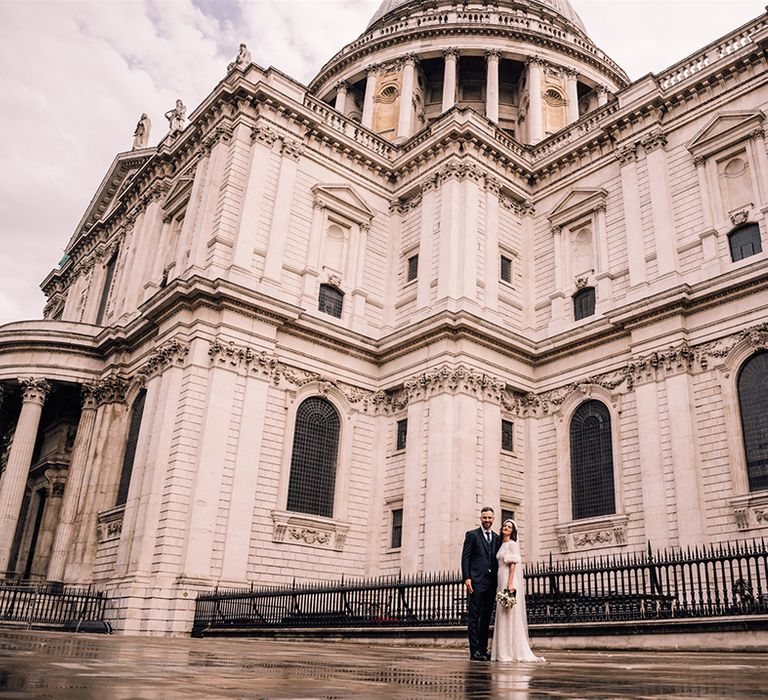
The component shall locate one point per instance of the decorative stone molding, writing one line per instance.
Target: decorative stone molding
(34, 390)
(308, 530)
(755, 336)
(342, 85)
(592, 533)
(654, 141)
(627, 154)
(111, 389)
(265, 135)
(451, 51)
(109, 524)
(222, 132)
(292, 149)
(750, 511)
(170, 353)
(492, 54)
(89, 399)
(740, 217)
(455, 380)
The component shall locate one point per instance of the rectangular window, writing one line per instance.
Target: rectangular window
(506, 269)
(397, 528)
(331, 300)
(402, 433)
(507, 514)
(584, 303)
(413, 267)
(507, 436)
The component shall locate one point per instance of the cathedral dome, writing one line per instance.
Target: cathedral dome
(562, 7)
(527, 65)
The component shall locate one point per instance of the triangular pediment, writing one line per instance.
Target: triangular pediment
(123, 168)
(345, 200)
(178, 195)
(576, 203)
(724, 130)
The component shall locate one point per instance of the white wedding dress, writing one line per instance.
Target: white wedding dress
(510, 636)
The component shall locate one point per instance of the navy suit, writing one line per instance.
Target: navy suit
(479, 563)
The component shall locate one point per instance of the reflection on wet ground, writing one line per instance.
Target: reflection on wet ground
(85, 667)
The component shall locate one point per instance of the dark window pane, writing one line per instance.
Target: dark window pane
(506, 269)
(507, 435)
(506, 514)
(312, 481)
(331, 300)
(130, 448)
(591, 461)
(413, 267)
(397, 528)
(584, 303)
(753, 404)
(108, 277)
(745, 242)
(402, 433)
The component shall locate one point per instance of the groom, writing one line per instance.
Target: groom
(478, 569)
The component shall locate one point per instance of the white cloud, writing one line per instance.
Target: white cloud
(77, 75)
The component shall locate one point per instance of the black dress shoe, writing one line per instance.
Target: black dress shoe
(487, 655)
(477, 656)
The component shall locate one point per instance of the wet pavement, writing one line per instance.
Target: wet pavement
(90, 667)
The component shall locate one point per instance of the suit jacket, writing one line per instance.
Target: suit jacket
(478, 560)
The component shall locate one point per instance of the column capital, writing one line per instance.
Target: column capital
(699, 161)
(34, 390)
(342, 85)
(627, 154)
(411, 58)
(451, 52)
(492, 54)
(372, 68)
(569, 72)
(654, 141)
(757, 134)
(536, 61)
(89, 397)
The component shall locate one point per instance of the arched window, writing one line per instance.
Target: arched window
(331, 300)
(592, 492)
(753, 405)
(584, 303)
(130, 447)
(745, 242)
(312, 483)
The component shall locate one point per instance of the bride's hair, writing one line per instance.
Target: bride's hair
(513, 534)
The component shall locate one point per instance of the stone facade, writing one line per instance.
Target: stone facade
(457, 219)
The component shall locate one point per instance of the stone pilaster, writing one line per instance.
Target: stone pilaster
(14, 479)
(535, 102)
(451, 56)
(492, 58)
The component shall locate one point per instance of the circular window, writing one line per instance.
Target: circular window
(554, 98)
(389, 93)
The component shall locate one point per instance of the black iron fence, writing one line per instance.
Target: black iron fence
(727, 579)
(51, 605)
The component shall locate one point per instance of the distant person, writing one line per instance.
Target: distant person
(510, 636)
(478, 569)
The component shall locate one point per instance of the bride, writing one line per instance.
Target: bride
(510, 637)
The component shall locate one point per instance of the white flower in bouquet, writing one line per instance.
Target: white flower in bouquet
(506, 598)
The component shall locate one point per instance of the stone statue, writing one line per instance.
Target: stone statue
(141, 134)
(176, 117)
(243, 59)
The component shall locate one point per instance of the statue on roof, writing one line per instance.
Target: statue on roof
(141, 133)
(176, 117)
(243, 59)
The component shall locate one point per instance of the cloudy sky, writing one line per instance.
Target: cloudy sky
(76, 76)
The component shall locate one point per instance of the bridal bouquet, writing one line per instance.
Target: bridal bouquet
(506, 598)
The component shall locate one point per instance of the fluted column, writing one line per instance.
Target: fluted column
(451, 56)
(572, 90)
(34, 393)
(492, 57)
(74, 485)
(342, 90)
(535, 106)
(405, 116)
(370, 89)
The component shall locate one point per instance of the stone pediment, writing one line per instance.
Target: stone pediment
(178, 195)
(577, 203)
(724, 130)
(122, 169)
(343, 199)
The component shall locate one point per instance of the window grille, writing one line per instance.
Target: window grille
(137, 411)
(506, 269)
(584, 303)
(402, 433)
(592, 490)
(331, 300)
(108, 277)
(745, 242)
(413, 267)
(507, 435)
(753, 405)
(312, 482)
(397, 529)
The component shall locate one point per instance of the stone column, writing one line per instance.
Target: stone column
(492, 57)
(34, 394)
(370, 89)
(633, 225)
(405, 117)
(661, 206)
(451, 56)
(74, 485)
(535, 104)
(572, 89)
(342, 91)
